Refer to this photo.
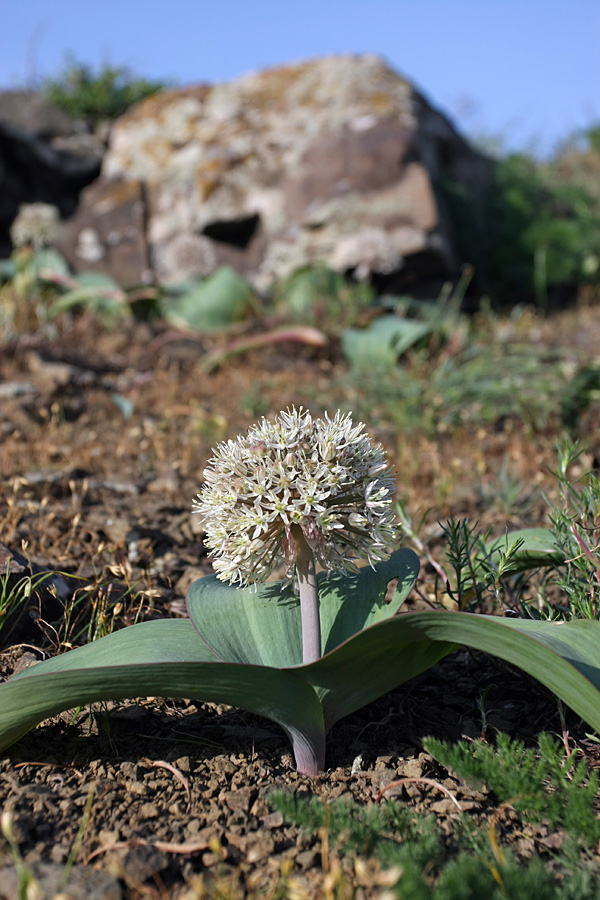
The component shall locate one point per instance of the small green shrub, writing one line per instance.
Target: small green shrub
(481, 384)
(467, 862)
(97, 95)
(544, 227)
(366, 830)
(214, 303)
(543, 573)
(542, 785)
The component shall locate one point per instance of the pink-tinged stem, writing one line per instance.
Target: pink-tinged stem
(305, 334)
(309, 598)
(309, 754)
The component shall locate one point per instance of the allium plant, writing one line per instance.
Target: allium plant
(296, 492)
(301, 493)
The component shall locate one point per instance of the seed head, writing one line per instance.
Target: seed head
(323, 475)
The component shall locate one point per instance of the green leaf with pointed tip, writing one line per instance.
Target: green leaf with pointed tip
(383, 342)
(167, 659)
(216, 302)
(537, 550)
(263, 625)
(565, 657)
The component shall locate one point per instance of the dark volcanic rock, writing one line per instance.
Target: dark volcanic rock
(45, 156)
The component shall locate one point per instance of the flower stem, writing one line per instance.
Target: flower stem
(309, 751)
(309, 598)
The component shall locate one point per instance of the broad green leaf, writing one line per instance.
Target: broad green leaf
(167, 659)
(370, 664)
(214, 303)
(383, 342)
(563, 656)
(247, 626)
(48, 260)
(537, 550)
(165, 640)
(263, 625)
(99, 280)
(352, 603)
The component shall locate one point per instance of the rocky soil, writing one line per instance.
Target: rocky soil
(104, 439)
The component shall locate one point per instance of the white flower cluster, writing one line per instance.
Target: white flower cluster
(37, 224)
(323, 475)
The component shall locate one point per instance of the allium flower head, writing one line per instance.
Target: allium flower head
(323, 475)
(36, 224)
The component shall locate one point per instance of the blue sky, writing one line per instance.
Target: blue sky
(526, 70)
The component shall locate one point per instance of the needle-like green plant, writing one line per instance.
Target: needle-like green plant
(314, 647)
(521, 777)
(544, 787)
(576, 524)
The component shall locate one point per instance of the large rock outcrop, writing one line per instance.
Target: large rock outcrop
(336, 159)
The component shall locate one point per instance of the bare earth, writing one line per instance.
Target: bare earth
(104, 440)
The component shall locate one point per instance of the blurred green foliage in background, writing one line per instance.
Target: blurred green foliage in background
(96, 95)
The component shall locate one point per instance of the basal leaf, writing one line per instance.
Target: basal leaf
(383, 342)
(351, 603)
(370, 664)
(246, 625)
(263, 626)
(565, 657)
(214, 303)
(165, 659)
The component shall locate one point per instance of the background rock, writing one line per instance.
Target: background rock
(337, 159)
(108, 234)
